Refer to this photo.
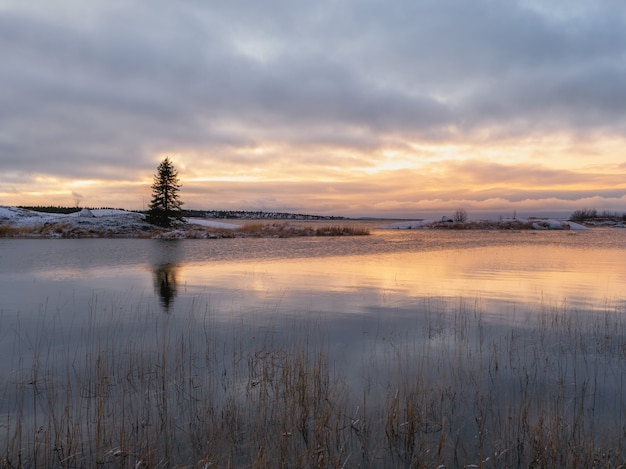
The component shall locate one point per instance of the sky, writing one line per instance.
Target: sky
(404, 108)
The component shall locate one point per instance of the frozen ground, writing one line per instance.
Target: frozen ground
(212, 224)
(95, 223)
(519, 224)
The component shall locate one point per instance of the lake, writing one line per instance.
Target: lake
(349, 275)
(378, 309)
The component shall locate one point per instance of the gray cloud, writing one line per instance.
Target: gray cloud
(85, 91)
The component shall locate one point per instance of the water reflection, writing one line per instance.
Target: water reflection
(513, 275)
(392, 310)
(166, 265)
(165, 283)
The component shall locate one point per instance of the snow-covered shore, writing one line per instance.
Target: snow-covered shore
(21, 223)
(18, 222)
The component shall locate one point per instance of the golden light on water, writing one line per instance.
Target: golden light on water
(544, 275)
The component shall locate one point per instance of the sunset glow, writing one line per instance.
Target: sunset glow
(355, 109)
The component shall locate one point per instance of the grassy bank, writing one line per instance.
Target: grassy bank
(95, 228)
(264, 230)
(460, 391)
(287, 230)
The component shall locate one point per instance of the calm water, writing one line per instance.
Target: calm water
(389, 270)
(388, 281)
(468, 311)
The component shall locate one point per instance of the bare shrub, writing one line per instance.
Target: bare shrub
(460, 216)
(584, 214)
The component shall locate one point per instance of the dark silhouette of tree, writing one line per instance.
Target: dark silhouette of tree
(165, 206)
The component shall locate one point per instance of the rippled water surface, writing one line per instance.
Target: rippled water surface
(391, 280)
(350, 275)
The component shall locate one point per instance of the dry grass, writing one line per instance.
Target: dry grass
(287, 230)
(462, 393)
(341, 231)
(485, 225)
(69, 229)
(85, 229)
(10, 231)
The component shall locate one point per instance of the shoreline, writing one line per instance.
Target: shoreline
(132, 225)
(107, 223)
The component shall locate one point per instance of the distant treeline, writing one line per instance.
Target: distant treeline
(259, 214)
(60, 209)
(234, 214)
(586, 214)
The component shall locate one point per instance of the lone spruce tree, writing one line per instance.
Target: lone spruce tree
(165, 206)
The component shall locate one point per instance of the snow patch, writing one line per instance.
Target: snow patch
(557, 225)
(212, 224)
(86, 213)
(576, 226)
(407, 225)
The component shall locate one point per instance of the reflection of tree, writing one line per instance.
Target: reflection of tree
(165, 283)
(166, 257)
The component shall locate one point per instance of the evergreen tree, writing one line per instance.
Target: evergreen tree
(165, 206)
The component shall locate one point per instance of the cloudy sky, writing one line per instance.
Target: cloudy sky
(405, 108)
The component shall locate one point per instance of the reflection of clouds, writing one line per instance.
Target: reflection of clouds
(499, 269)
(166, 255)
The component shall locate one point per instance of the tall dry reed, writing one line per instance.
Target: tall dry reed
(126, 388)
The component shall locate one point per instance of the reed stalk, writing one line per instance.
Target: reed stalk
(462, 391)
